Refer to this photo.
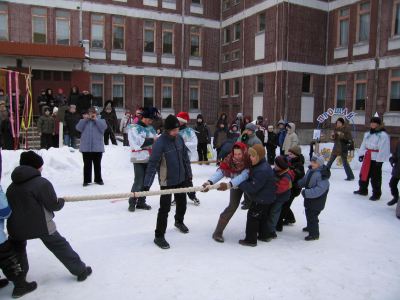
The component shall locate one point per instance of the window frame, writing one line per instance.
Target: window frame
(91, 30)
(233, 55)
(97, 82)
(154, 29)
(226, 35)
(257, 78)
(118, 25)
(38, 16)
(173, 37)
(225, 5)
(199, 35)
(226, 88)
(234, 86)
(395, 3)
(340, 83)
(258, 22)
(360, 81)
(236, 2)
(359, 13)
(338, 26)
(5, 12)
(224, 55)
(198, 93)
(149, 84)
(234, 32)
(69, 26)
(171, 85)
(311, 84)
(118, 83)
(391, 79)
(191, 1)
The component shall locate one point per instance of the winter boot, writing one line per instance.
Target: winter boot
(173, 203)
(22, 288)
(374, 198)
(131, 208)
(268, 239)
(217, 235)
(289, 221)
(305, 229)
(3, 282)
(161, 242)
(195, 200)
(85, 274)
(182, 227)
(143, 206)
(273, 235)
(311, 238)
(361, 193)
(393, 201)
(244, 243)
(279, 227)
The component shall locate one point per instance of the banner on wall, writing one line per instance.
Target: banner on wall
(336, 111)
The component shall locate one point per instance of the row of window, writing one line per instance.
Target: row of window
(227, 4)
(149, 87)
(236, 29)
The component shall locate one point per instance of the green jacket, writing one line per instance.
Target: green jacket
(46, 123)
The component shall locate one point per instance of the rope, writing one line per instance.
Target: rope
(142, 194)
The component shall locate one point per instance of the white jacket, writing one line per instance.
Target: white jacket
(377, 141)
(124, 124)
(137, 135)
(190, 139)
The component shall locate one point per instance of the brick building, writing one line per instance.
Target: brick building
(276, 58)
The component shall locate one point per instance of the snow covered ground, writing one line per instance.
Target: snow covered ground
(356, 257)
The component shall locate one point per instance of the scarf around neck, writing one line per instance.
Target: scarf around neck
(231, 166)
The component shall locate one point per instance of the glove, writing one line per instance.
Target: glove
(223, 186)
(303, 193)
(205, 185)
(391, 160)
(361, 158)
(146, 188)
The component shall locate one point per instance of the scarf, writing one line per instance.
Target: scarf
(232, 166)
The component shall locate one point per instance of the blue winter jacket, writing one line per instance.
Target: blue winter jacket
(261, 183)
(92, 135)
(5, 212)
(316, 184)
(283, 134)
(170, 159)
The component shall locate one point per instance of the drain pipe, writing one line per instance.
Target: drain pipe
(287, 64)
(276, 62)
(182, 51)
(219, 109)
(326, 65)
(244, 23)
(377, 60)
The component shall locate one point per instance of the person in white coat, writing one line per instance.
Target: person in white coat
(291, 138)
(190, 139)
(123, 126)
(141, 137)
(374, 151)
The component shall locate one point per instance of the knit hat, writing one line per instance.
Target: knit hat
(2, 102)
(319, 159)
(251, 127)
(60, 90)
(283, 162)
(13, 92)
(91, 109)
(376, 120)
(30, 158)
(127, 112)
(1, 90)
(239, 115)
(281, 121)
(199, 116)
(42, 91)
(83, 112)
(296, 150)
(257, 151)
(148, 112)
(171, 122)
(55, 109)
(108, 107)
(183, 117)
(270, 126)
(341, 120)
(72, 106)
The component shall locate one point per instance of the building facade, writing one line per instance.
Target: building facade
(276, 58)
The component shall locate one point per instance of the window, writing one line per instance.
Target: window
(97, 89)
(194, 94)
(149, 32)
(341, 81)
(167, 93)
(307, 84)
(396, 18)
(195, 1)
(394, 86)
(168, 37)
(360, 90)
(227, 35)
(364, 10)
(62, 27)
(343, 26)
(195, 41)
(118, 33)
(118, 82)
(235, 55)
(226, 88)
(225, 58)
(236, 2)
(237, 31)
(148, 91)
(260, 84)
(97, 31)
(39, 25)
(227, 5)
(3, 22)
(261, 22)
(236, 84)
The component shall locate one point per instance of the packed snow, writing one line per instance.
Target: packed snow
(356, 257)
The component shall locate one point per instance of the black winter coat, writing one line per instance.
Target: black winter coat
(7, 138)
(395, 160)
(297, 165)
(74, 98)
(42, 99)
(70, 122)
(203, 132)
(273, 140)
(85, 102)
(111, 120)
(32, 200)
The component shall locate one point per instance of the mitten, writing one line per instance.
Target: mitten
(146, 188)
(223, 186)
(361, 158)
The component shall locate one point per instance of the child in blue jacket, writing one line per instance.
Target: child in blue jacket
(260, 188)
(316, 188)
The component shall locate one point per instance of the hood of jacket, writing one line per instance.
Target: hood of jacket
(97, 109)
(378, 129)
(247, 117)
(292, 126)
(220, 116)
(24, 173)
(77, 90)
(44, 108)
(281, 121)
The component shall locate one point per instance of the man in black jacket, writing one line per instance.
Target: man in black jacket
(33, 200)
(71, 133)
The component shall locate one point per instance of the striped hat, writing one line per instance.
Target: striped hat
(283, 162)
